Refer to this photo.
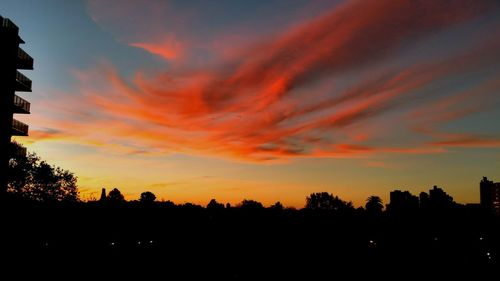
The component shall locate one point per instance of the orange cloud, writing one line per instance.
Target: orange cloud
(169, 48)
(428, 119)
(471, 141)
(265, 105)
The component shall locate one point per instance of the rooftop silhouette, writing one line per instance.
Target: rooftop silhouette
(490, 195)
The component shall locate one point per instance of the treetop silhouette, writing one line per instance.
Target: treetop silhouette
(326, 201)
(31, 178)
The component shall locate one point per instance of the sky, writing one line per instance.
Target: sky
(266, 100)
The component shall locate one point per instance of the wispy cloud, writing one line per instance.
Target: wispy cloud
(168, 48)
(288, 97)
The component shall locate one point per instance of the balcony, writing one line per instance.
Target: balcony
(23, 83)
(21, 105)
(9, 26)
(24, 61)
(19, 128)
(17, 151)
(6, 23)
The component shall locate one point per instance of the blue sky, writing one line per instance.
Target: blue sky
(265, 100)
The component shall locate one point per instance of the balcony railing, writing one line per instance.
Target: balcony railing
(23, 83)
(19, 128)
(24, 61)
(7, 23)
(11, 28)
(21, 105)
(17, 150)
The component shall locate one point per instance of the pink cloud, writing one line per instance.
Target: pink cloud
(471, 141)
(169, 48)
(257, 107)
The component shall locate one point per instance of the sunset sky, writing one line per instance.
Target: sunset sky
(265, 99)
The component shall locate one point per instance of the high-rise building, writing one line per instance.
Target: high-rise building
(402, 201)
(12, 58)
(490, 195)
(439, 199)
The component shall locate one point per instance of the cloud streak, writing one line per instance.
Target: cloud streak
(287, 97)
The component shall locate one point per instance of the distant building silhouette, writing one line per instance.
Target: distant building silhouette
(490, 195)
(402, 201)
(438, 199)
(12, 58)
(103, 195)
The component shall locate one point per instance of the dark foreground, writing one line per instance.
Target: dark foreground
(189, 242)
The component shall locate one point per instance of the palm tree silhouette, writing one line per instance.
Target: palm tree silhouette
(374, 204)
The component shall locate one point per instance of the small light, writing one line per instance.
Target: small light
(112, 243)
(138, 242)
(151, 242)
(481, 238)
(488, 254)
(371, 241)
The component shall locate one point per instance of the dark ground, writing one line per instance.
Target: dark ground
(73, 241)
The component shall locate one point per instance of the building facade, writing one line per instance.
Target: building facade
(12, 58)
(490, 195)
(402, 201)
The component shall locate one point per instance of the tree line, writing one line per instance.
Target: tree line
(34, 179)
(30, 177)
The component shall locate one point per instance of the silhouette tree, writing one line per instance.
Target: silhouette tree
(277, 206)
(214, 205)
(326, 201)
(250, 205)
(31, 178)
(147, 197)
(115, 196)
(374, 204)
(167, 203)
